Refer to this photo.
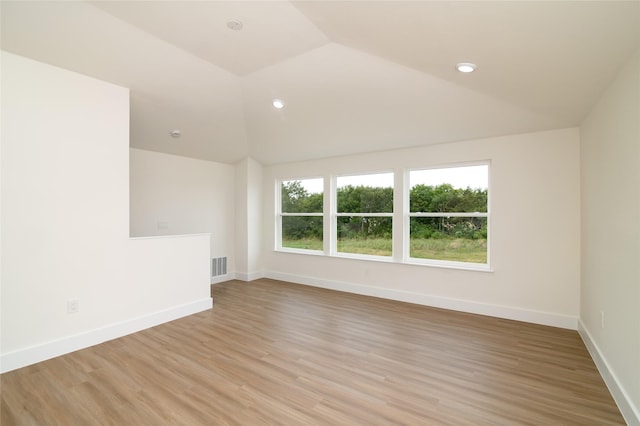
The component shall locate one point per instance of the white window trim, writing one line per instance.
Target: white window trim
(448, 214)
(365, 214)
(302, 214)
(280, 214)
(335, 215)
(450, 264)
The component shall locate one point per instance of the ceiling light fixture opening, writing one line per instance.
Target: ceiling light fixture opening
(278, 103)
(234, 24)
(466, 67)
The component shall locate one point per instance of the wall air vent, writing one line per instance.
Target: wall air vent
(218, 266)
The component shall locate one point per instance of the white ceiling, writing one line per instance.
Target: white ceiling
(356, 76)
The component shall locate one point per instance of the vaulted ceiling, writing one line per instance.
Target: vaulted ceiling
(356, 76)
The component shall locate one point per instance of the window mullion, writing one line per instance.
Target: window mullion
(302, 214)
(448, 214)
(329, 242)
(364, 214)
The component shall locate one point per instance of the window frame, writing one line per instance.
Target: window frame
(335, 215)
(407, 215)
(280, 215)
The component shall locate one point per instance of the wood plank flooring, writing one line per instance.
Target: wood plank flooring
(277, 353)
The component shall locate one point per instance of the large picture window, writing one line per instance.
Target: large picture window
(449, 214)
(301, 214)
(364, 214)
(441, 216)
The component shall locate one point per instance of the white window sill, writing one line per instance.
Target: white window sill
(448, 264)
(299, 251)
(464, 266)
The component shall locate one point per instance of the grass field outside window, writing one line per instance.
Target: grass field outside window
(451, 249)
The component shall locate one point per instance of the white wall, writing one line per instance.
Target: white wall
(254, 216)
(248, 219)
(534, 231)
(65, 221)
(610, 161)
(173, 195)
(241, 206)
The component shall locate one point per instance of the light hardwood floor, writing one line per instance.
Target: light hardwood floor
(271, 352)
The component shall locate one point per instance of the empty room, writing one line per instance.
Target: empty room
(320, 212)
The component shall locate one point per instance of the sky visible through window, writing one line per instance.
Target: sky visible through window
(475, 177)
(381, 180)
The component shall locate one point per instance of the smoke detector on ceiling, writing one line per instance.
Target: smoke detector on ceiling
(234, 24)
(175, 133)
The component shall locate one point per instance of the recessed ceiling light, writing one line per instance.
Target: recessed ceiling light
(466, 67)
(234, 24)
(175, 133)
(278, 103)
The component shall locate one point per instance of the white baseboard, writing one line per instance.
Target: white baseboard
(41, 352)
(629, 411)
(249, 276)
(222, 278)
(518, 314)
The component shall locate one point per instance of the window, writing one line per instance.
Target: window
(448, 214)
(301, 214)
(441, 216)
(364, 214)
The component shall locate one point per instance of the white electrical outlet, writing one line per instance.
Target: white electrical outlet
(73, 306)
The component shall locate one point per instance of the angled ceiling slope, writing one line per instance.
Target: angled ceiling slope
(356, 76)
